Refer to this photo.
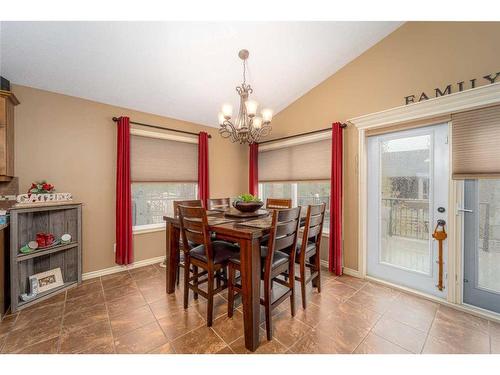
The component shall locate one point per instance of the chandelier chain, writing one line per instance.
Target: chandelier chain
(244, 71)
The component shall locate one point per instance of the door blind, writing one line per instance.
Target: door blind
(476, 143)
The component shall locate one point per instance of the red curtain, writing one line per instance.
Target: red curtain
(124, 249)
(253, 170)
(203, 184)
(335, 250)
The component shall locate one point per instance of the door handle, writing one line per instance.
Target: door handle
(440, 235)
(464, 209)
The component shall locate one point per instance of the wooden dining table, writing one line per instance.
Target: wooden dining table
(232, 226)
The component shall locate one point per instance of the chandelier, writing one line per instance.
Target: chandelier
(247, 127)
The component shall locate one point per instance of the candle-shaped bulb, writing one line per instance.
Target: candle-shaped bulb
(251, 106)
(257, 122)
(227, 111)
(221, 118)
(267, 115)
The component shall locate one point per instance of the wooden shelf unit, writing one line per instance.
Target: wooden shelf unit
(25, 223)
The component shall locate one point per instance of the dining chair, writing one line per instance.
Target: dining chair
(189, 203)
(308, 249)
(278, 258)
(218, 204)
(211, 256)
(273, 203)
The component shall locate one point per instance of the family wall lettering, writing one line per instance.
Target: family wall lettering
(451, 88)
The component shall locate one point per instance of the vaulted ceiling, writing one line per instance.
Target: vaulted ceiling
(184, 70)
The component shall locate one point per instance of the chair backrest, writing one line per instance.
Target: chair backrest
(194, 228)
(218, 203)
(189, 203)
(283, 235)
(278, 204)
(313, 226)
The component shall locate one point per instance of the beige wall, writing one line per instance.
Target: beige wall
(419, 56)
(71, 142)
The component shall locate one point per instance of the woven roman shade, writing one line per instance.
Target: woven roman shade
(309, 161)
(476, 143)
(161, 160)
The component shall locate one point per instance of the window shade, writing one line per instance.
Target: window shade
(310, 161)
(160, 160)
(476, 143)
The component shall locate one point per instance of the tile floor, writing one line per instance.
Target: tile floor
(129, 312)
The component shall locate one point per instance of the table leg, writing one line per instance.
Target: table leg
(250, 282)
(172, 254)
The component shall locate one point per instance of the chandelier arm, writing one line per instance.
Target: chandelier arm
(232, 131)
(227, 130)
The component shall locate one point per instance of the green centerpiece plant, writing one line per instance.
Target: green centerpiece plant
(248, 198)
(247, 203)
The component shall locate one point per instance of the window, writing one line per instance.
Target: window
(298, 170)
(153, 200)
(302, 193)
(162, 171)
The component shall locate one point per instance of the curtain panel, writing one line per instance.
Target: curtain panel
(335, 243)
(253, 172)
(124, 245)
(203, 180)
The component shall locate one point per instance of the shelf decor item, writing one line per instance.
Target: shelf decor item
(247, 203)
(29, 247)
(26, 297)
(66, 238)
(32, 198)
(48, 280)
(41, 187)
(45, 239)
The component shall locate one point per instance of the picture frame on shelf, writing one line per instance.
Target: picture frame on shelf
(48, 280)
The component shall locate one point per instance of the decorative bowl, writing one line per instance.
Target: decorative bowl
(247, 206)
(66, 238)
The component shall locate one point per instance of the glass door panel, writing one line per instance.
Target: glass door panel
(405, 181)
(482, 243)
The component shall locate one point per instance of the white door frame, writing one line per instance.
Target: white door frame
(426, 110)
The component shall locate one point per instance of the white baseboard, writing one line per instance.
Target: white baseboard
(115, 269)
(351, 272)
(345, 270)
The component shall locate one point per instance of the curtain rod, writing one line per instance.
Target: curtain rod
(343, 125)
(115, 119)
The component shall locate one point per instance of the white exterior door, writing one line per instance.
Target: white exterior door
(408, 176)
